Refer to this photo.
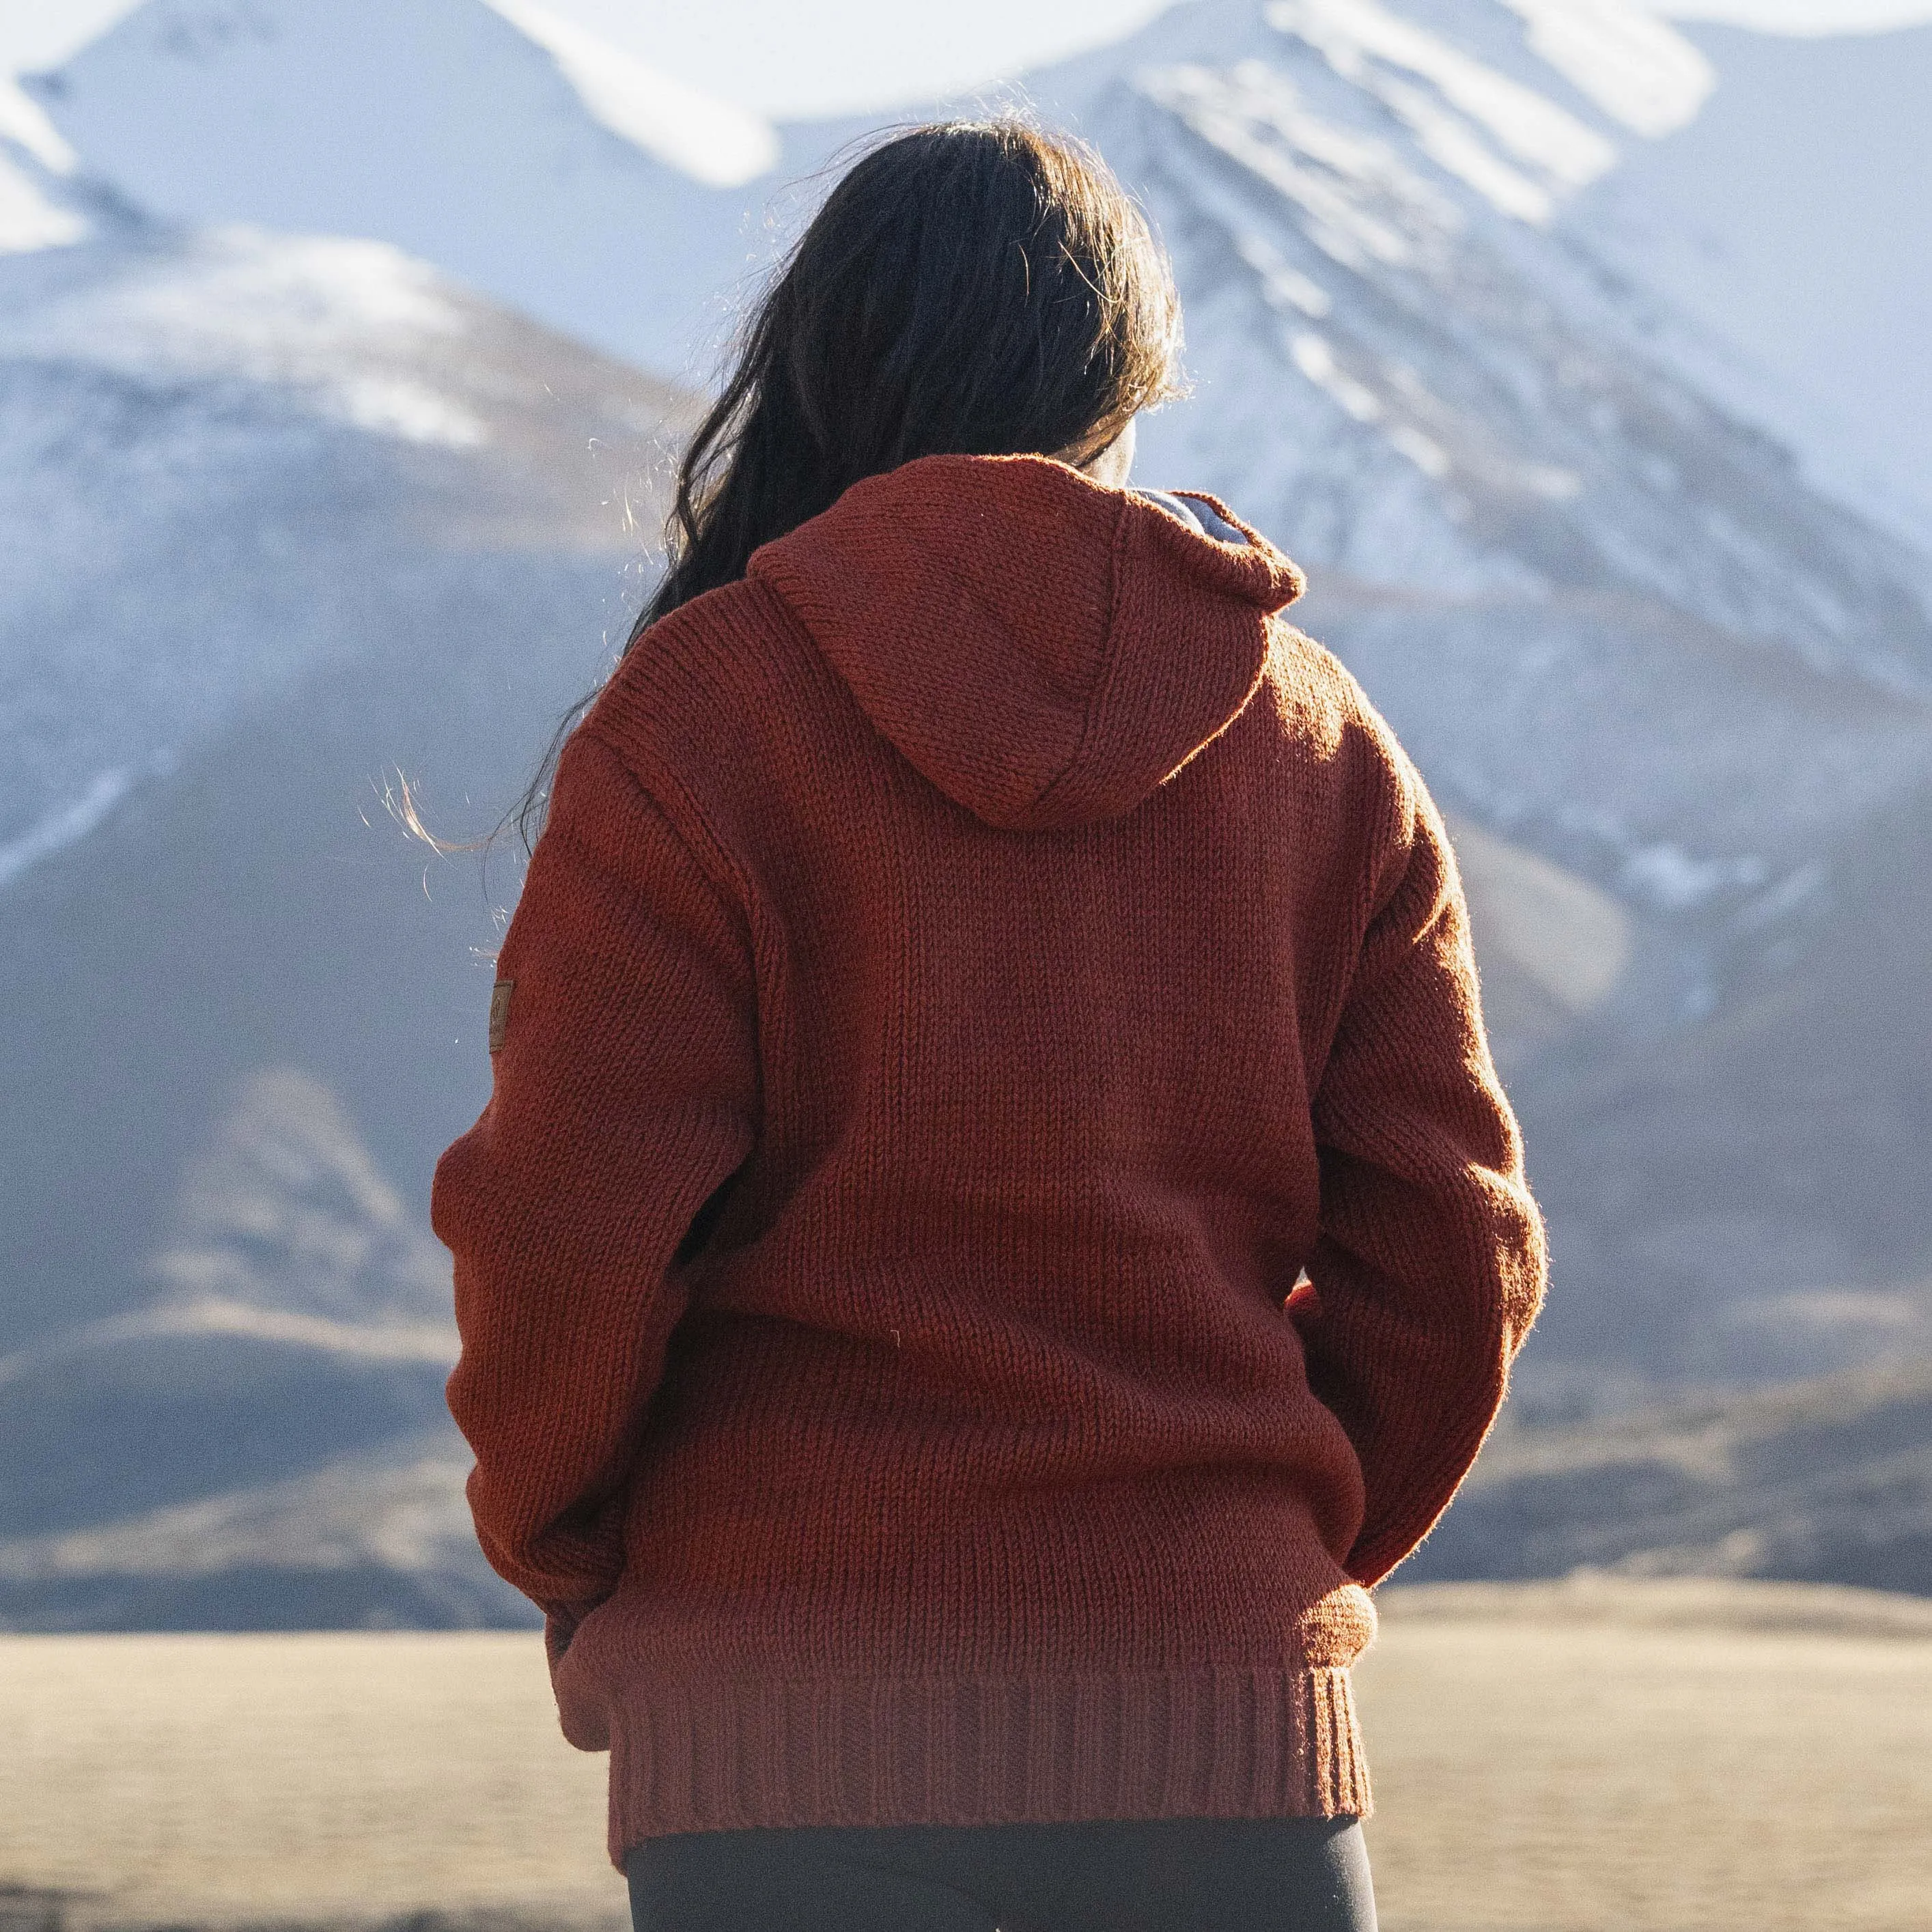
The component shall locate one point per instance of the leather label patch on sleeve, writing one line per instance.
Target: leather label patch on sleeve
(499, 1013)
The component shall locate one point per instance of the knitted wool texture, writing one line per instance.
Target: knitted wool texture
(995, 1219)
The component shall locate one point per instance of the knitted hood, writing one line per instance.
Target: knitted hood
(1045, 650)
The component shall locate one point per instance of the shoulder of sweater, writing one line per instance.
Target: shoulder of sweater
(1380, 793)
(1314, 689)
(682, 706)
(603, 791)
(700, 666)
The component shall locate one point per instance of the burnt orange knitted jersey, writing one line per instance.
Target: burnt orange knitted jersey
(995, 1218)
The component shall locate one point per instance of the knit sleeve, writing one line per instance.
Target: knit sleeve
(1430, 1264)
(624, 1094)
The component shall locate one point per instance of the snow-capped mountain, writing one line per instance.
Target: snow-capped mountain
(1615, 619)
(283, 511)
(1769, 190)
(1403, 377)
(519, 154)
(1410, 366)
(280, 517)
(1628, 636)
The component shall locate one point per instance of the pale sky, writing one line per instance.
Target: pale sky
(804, 57)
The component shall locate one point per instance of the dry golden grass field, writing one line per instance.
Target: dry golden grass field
(1594, 1757)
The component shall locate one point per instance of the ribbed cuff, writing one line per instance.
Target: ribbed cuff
(743, 1754)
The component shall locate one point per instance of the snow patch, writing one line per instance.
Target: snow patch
(526, 158)
(67, 826)
(709, 139)
(308, 291)
(393, 406)
(1312, 354)
(1362, 207)
(1675, 880)
(23, 122)
(1477, 106)
(1316, 360)
(28, 220)
(1639, 70)
(1424, 452)
(316, 314)
(1283, 286)
(1551, 481)
(29, 141)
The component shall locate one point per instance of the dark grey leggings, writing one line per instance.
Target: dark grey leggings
(1170, 1875)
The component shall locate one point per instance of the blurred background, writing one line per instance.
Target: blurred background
(1579, 353)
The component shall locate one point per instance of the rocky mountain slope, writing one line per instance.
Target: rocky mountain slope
(1825, 1481)
(284, 518)
(264, 1442)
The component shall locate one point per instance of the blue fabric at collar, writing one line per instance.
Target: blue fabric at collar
(1196, 515)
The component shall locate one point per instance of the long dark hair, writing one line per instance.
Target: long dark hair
(972, 288)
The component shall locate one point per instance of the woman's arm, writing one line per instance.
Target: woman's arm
(625, 1092)
(1430, 1264)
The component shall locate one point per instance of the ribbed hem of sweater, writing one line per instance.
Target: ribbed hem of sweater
(1225, 1743)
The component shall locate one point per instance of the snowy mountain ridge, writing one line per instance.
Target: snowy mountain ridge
(184, 101)
(517, 152)
(283, 340)
(1639, 69)
(706, 138)
(1779, 249)
(1551, 558)
(152, 378)
(556, 173)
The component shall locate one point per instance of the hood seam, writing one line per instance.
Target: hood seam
(1110, 659)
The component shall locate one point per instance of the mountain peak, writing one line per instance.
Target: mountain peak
(522, 155)
(709, 139)
(284, 1210)
(229, 51)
